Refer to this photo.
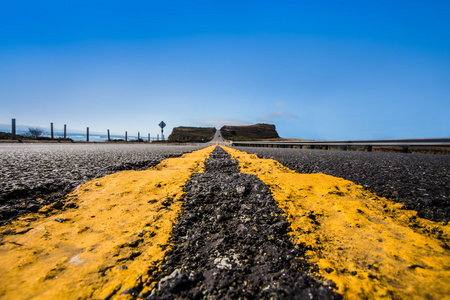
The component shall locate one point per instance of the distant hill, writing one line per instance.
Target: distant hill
(192, 134)
(7, 136)
(251, 132)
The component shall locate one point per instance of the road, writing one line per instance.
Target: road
(420, 181)
(223, 223)
(34, 175)
(218, 139)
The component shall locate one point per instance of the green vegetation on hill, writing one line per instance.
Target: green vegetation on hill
(192, 134)
(27, 137)
(249, 133)
(7, 136)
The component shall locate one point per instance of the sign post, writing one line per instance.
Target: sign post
(162, 125)
(13, 129)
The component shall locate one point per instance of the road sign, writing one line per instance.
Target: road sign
(162, 125)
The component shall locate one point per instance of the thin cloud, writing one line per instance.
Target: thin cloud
(280, 104)
(218, 123)
(272, 116)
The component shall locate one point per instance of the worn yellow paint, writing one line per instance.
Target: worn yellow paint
(106, 245)
(395, 254)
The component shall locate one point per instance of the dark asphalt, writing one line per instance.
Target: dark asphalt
(231, 242)
(34, 175)
(420, 181)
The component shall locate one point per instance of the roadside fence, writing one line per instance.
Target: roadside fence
(368, 145)
(65, 135)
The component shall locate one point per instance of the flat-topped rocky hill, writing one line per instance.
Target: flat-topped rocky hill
(192, 134)
(250, 132)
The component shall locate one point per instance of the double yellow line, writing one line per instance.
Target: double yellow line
(367, 245)
(105, 246)
(114, 231)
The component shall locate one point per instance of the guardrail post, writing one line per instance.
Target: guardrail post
(139, 136)
(365, 145)
(87, 134)
(126, 136)
(109, 136)
(51, 130)
(13, 129)
(65, 131)
(149, 137)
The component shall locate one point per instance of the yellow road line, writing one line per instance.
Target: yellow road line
(368, 245)
(104, 246)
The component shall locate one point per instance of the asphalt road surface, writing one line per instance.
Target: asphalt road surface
(34, 175)
(420, 181)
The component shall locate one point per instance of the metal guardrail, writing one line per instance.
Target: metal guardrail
(345, 144)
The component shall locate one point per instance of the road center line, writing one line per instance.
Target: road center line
(230, 242)
(368, 245)
(111, 231)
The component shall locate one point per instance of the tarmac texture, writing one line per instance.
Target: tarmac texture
(420, 181)
(219, 223)
(35, 175)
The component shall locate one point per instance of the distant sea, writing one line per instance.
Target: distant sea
(93, 137)
(76, 136)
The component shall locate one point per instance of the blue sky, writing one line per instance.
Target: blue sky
(316, 69)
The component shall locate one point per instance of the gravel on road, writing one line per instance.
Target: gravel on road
(231, 242)
(420, 181)
(245, 228)
(35, 175)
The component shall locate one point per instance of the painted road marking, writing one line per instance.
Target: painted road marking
(368, 245)
(105, 246)
(230, 242)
